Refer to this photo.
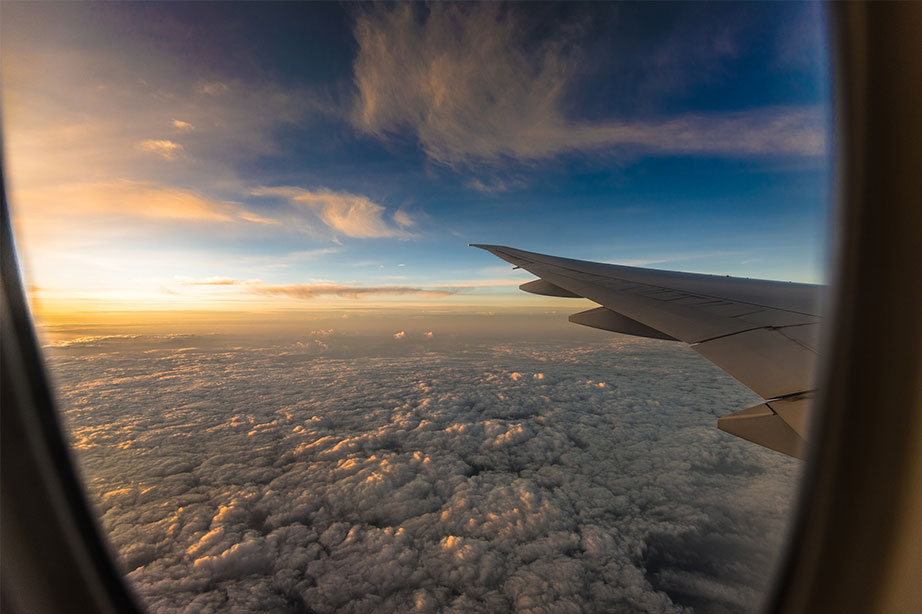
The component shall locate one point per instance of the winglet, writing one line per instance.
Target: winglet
(510, 255)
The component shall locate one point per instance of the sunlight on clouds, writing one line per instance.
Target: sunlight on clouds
(307, 291)
(490, 474)
(80, 123)
(215, 281)
(353, 215)
(463, 81)
(310, 254)
(166, 149)
(184, 126)
(258, 219)
(131, 163)
(403, 218)
(310, 291)
(125, 198)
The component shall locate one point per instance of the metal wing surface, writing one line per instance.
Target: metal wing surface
(763, 333)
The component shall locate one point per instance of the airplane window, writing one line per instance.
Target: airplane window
(290, 385)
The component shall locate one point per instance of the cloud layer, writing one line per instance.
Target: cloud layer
(472, 86)
(333, 473)
(309, 291)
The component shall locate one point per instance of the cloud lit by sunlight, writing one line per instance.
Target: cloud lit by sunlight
(184, 126)
(124, 198)
(166, 149)
(130, 163)
(353, 215)
(310, 291)
(462, 78)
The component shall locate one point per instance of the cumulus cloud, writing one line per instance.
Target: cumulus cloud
(166, 149)
(350, 214)
(465, 82)
(400, 335)
(433, 477)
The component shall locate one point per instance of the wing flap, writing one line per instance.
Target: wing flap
(606, 319)
(759, 424)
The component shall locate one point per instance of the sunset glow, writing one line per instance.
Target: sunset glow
(336, 158)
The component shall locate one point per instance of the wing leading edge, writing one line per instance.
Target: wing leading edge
(763, 333)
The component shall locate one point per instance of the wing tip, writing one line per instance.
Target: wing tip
(487, 247)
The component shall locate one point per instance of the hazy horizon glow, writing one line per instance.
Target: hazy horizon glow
(177, 156)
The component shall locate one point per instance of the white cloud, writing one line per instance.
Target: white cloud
(166, 149)
(462, 79)
(365, 475)
(350, 214)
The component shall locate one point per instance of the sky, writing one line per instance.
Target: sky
(329, 156)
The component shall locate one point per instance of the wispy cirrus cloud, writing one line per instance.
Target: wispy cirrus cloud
(310, 291)
(184, 126)
(130, 199)
(98, 142)
(324, 288)
(164, 148)
(352, 215)
(214, 88)
(462, 80)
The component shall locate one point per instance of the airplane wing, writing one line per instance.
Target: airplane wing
(763, 333)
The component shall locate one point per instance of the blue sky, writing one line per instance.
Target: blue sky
(203, 153)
